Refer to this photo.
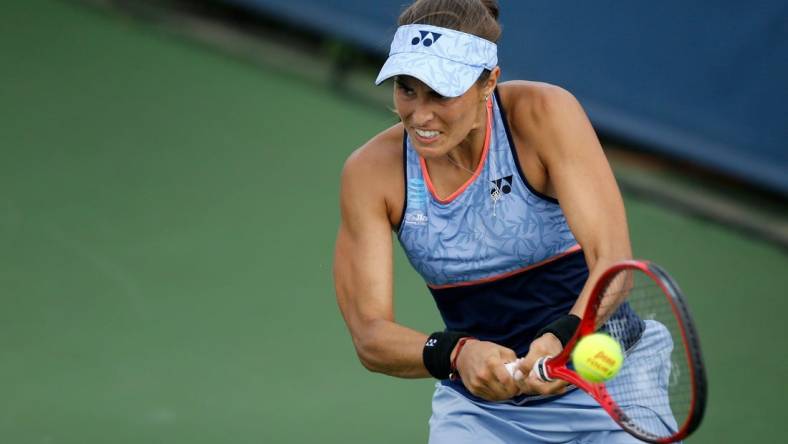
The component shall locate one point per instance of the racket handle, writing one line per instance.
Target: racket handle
(540, 368)
(515, 372)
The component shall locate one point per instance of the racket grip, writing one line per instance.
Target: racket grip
(540, 368)
(515, 372)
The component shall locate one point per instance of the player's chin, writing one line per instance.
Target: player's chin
(434, 148)
(430, 151)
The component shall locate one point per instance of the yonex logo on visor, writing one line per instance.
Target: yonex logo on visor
(450, 68)
(426, 41)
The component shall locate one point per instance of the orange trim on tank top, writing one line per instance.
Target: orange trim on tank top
(571, 250)
(476, 173)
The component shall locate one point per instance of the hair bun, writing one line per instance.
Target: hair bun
(492, 7)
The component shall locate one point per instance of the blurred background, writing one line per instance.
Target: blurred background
(168, 205)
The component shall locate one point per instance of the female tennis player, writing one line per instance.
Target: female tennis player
(504, 202)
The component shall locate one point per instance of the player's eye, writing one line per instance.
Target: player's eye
(404, 89)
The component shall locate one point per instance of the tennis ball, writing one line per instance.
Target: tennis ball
(597, 357)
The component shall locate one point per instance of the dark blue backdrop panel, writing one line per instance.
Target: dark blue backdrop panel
(369, 24)
(705, 81)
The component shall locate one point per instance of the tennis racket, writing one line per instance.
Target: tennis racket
(659, 395)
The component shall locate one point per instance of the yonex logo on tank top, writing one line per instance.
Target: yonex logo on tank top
(501, 186)
(424, 40)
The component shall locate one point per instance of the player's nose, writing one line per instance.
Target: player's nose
(422, 115)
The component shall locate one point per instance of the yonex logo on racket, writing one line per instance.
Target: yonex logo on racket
(427, 38)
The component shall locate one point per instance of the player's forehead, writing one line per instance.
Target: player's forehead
(412, 82)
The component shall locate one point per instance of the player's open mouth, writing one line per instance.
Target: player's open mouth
(426, 136)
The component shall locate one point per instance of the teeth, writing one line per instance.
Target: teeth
(427, 134)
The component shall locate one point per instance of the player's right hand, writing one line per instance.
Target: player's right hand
(526, 377)
(481, 367)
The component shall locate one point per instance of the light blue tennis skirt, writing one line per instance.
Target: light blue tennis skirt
(572, 418)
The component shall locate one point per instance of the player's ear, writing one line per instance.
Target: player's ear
(492, 81)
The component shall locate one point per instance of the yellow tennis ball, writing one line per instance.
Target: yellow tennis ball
(597, 357)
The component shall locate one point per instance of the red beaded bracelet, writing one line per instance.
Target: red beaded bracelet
(454, 374)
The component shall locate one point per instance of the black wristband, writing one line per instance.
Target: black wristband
(563, 328)
(437, 352)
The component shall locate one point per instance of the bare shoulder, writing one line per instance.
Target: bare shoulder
(548, 126)
(537, 105)
(373, 174)
(378, 154)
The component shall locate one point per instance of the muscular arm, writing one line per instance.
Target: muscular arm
(584, 184)
(575, 170)
(363, 274)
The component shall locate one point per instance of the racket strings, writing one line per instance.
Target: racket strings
(653, 388)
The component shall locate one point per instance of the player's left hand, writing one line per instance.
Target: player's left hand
(527, 379)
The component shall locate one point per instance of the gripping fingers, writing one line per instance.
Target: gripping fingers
(536, 385)
(489, 389)
(493, 383)
(537, 381)
(507, 385)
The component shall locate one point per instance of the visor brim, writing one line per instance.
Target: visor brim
(446, 77)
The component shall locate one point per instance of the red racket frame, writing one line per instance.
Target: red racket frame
(556, 367)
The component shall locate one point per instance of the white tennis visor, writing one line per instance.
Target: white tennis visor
(448, 61)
